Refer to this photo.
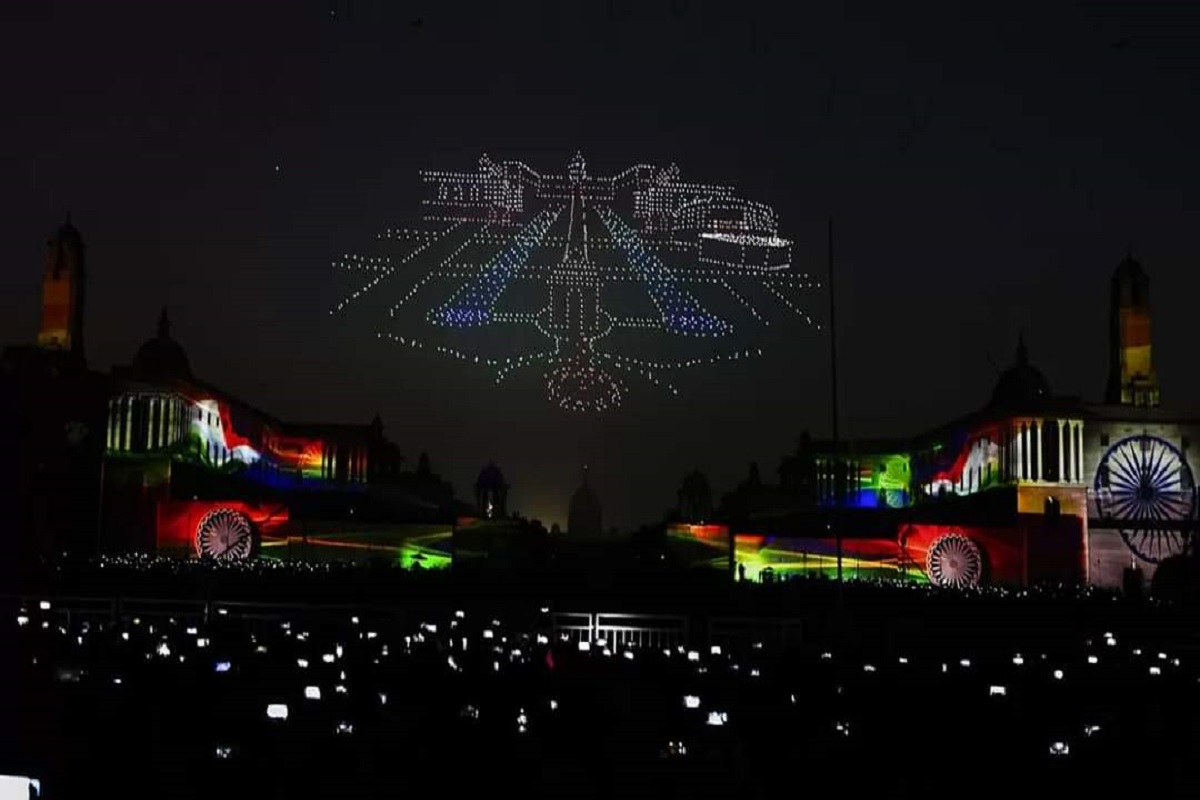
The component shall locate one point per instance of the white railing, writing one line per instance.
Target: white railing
(621, 630)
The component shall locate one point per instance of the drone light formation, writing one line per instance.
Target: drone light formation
(637, 276)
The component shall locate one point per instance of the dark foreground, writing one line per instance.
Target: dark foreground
(909, 692)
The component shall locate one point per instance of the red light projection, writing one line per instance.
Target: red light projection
(232, 437)
(1033, 550)
(183, 525)
(296, 453)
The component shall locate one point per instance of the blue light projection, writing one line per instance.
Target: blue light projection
(473, 303)
(679, 310)
(514, 278)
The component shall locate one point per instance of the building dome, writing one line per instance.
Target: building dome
(162, 356)
(491, 492)
(1130, 284)
(695, 497)
(1129, 269)
(67, 234)
(1022, 385)
(490, 477)
(585, 516)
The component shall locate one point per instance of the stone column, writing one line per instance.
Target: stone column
(1079, 451)
(128, 402)
(1020, 449)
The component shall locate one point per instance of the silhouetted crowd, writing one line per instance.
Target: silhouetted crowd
(228, 700)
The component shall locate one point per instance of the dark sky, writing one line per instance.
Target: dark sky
(987, 166)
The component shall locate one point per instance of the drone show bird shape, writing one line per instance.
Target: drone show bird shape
(595, 283)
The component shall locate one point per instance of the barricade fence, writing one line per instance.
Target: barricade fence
(660, 631)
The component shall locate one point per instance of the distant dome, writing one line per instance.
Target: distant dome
(695, 484)
(162, 356)
(585, 517)
(1022, 385)
(491, 492)
(1130, 284)
(1129, 268)
(490, 477)
(67, 233)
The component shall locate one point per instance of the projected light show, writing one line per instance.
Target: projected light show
(1144, 484)
(950, 556)
(237, 530)
(597, 282)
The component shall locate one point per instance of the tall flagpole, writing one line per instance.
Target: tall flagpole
(833, 390)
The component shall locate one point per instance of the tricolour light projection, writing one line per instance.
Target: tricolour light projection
(198, 425)
(213, 437)
(966, 464)
(595, 281)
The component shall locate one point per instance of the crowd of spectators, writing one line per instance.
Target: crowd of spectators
(891, 689)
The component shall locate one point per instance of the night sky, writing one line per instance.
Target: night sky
(987, 166)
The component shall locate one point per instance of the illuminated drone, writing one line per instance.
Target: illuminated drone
(590, 279)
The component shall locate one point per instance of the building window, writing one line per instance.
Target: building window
(1104, 440)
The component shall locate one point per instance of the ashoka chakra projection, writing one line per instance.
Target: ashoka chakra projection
(954, 561)
(1145, 487)
(597, 282)
(224, 534)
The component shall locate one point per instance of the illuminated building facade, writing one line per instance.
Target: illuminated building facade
(1033, 487)
(211, 476)
(149, 457)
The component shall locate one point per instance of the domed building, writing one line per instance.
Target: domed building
(1033, 487)
(585, 516)
(152, 458)
(1021, 387)
(162, 357)
(695, 498)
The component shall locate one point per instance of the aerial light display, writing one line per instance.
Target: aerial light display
(595, 282)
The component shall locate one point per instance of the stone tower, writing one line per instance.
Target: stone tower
(1131, 377)
(62, 292)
